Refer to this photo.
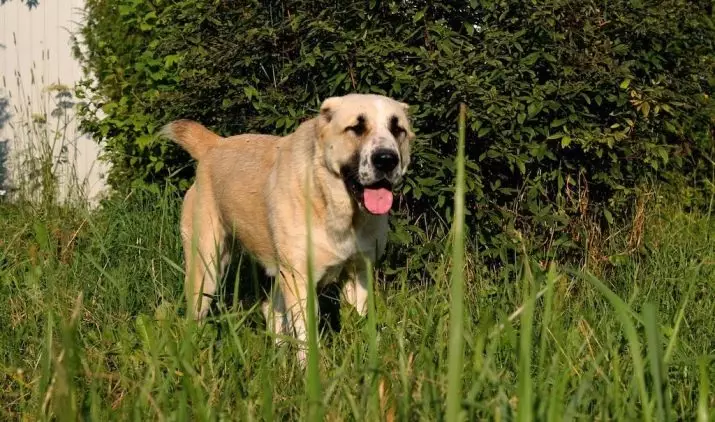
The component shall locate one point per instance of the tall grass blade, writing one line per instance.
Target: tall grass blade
(551, 278)
(655, 356)
(679, 319)
(524, 408)
(315, 408)
(557, 395)
(46, 365)
(267, 393)
(66, 392)
(372, 340)
(456, 319)
(712, 187)
(704, 393)
(623, 312)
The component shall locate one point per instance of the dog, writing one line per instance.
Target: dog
(336, 171)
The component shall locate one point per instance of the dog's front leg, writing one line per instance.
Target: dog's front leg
(294, 287)
(274, 310)
(355, 288)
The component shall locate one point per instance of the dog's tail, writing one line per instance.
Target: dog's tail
(191, 136)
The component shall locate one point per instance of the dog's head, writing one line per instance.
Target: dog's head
(366, 141)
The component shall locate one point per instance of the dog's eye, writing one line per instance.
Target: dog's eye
(395, 127)
(359, 127)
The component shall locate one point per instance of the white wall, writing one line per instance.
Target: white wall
(35, 54)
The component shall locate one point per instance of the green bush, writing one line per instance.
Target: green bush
(574, 106)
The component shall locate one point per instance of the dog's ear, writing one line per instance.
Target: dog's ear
(327, 109)
(405, 147)
(406, 108)
(409, 135)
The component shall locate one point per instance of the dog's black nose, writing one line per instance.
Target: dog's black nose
(385, 160)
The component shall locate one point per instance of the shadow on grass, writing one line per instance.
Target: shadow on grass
(245, 285)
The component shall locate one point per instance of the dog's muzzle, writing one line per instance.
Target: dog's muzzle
(385, 160)
(370, 178)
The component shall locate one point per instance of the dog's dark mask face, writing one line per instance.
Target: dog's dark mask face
(380, 192)
(366, 141)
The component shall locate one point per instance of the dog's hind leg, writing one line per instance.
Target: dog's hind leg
(204, 251)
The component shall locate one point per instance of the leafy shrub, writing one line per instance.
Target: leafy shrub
(574, 105)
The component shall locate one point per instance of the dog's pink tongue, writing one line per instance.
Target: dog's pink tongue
(377, 201)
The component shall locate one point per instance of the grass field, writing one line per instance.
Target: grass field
(93, 328)
(91, 310)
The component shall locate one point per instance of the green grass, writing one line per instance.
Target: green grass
(456, 315)
(92, 305)
(92, 315)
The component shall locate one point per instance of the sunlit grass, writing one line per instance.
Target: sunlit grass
(93, 315)
(456, 316)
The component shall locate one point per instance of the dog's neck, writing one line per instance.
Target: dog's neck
(331, 203)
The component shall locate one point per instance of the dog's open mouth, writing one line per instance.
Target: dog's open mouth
(375, 198)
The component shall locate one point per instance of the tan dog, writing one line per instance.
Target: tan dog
(258, 188)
